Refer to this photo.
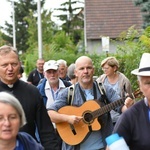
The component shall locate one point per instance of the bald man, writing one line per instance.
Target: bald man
(86, 89)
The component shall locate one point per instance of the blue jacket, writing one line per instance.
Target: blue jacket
(41, 88)
(28, 142)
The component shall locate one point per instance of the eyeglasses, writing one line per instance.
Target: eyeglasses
(105, 68)
(11, 118)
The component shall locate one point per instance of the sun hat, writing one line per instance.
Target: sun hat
(51, 64)
(144, 67)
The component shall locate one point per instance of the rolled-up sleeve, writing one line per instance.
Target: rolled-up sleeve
(60, 101)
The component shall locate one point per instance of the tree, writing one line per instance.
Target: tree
(135, 43)
(22, 9)
(54, 41)
(145, 8)
(73, 19)
(2, 42)
(48, 29)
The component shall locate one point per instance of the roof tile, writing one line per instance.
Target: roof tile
(110, 17)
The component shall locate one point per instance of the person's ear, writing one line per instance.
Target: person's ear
(75, 73)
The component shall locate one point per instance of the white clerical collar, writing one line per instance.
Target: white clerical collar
(10, 85)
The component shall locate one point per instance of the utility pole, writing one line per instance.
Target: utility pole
(39, 29)
(85, 36)
(14, 27)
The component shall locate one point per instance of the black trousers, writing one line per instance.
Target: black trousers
(59, 139)
(77, 147)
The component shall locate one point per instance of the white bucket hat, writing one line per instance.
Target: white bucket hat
(144, 67)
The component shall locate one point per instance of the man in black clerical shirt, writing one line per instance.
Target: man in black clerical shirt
(28, 96)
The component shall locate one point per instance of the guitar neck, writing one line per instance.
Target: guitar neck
(107, 108)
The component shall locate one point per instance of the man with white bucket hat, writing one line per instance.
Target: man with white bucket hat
(134, 124)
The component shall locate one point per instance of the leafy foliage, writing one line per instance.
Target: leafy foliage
(129, 54)
(62, 44)
(22, 9)
(2, 41)
(72, 17)
(145, 8)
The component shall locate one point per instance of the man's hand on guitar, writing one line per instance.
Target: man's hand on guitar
(128, 103)
(72, 119)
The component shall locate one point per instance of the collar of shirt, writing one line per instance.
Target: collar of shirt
(61, 85)
(146, 101)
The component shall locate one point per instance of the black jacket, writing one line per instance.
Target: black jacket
(35, 77)
(35, 112)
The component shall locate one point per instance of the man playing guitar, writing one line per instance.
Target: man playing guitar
(86, 92)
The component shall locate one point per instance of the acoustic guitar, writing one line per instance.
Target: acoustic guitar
(90, 111)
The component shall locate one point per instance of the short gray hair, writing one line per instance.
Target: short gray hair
(5, 49)
(139, 78)
(11, 100)
(70, 72)
(62, 62)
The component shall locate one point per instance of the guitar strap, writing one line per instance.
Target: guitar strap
(103, 92)
(82, 94)
(71, 94)
(100, 85)
(71, 90)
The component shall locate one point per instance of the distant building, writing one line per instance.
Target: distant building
(109, 18)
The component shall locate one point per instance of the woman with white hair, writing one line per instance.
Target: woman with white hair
(12, 117)
(71, 73)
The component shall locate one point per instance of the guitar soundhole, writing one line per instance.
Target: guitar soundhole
(88, 117)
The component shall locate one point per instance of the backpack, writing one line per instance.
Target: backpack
(101, 89)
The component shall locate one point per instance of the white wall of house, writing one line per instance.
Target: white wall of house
(95, 46)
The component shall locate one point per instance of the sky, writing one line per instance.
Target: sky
(6, 9)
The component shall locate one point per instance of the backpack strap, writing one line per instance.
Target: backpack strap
(101, 89)
(71, 94)
(66, 83)
(103, 92)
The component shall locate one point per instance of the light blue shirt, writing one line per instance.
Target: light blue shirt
(115, 86)
(52, 95)
(94, 140)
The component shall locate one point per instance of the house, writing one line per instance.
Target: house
(108, 18)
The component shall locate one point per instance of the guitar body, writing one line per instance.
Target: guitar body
(75, 134)
(90, 111)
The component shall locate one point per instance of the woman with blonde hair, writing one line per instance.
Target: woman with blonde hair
(117, 80)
